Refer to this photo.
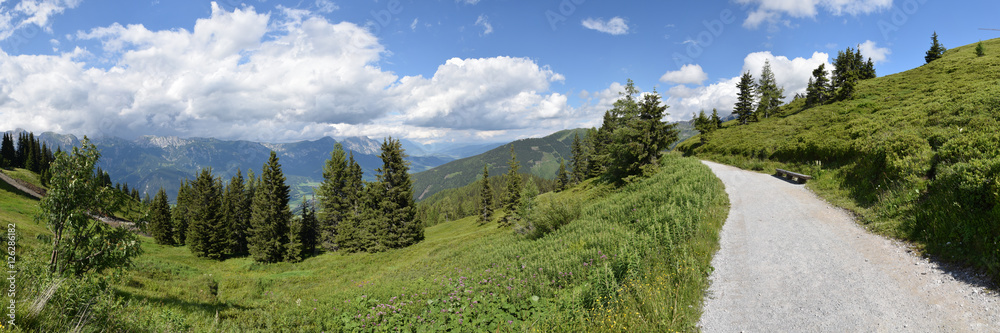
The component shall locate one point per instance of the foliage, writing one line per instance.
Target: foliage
(914, 154)
(180, 214)
(936, 51)
(638, 135)
(817, 91)
(512, 191)
(562, 178)
(485, 198)
(457, 203)
(79, 243)
(236, 202)
(160, 224)
(270, 214)
(350, 237)
(579, 163)
(302, 235)
(707, 125)
(395, 200)
(980, 50)
(744, 102)
(768, 92)
(207, 234)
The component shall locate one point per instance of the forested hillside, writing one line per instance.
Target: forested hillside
(538, 156)
(915, 154)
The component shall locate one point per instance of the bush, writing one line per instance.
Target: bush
(549, 216)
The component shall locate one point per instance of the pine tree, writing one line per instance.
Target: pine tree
(396, 192)
(640, 137)
(21, 154)
(936, 50)
(980, 50)
(512, 193)
(7, 153)
(180, 213)
(769, 92)
(302, 235)
(744, 102)
(562, 179)
(715, 119)
(597, 141)
(207, 234)
(869, 70)
(270, 214)
(485, 198)
(580, 159)
(310, 229)
(160, 225)
(705, 125)
(816, 91)
(846, 73)
(333, 196)
(236, 213)
(351, 235)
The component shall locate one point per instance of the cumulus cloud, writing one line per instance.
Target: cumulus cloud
(688, 74)
(791, 74)
(27, 13)
(771, 11)
(280, 76)
(484, 22)
(877, 54)
(615, 26)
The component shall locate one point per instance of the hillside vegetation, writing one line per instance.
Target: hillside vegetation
(635, 259)
(914, 154)
(538, 156)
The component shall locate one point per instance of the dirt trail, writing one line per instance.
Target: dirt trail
(790, 262)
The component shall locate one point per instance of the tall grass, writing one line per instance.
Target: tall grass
(634, 259)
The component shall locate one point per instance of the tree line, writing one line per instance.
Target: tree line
(252, 217)
(30, 153)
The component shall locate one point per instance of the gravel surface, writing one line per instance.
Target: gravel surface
(790, 262)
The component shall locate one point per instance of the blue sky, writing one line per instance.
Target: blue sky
(430, 71)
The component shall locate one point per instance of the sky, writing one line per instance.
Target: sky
(429, 71)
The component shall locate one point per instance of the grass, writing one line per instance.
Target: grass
(636, 260)
(913, 154)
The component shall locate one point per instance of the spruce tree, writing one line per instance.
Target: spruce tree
(160, 225)
(7, 152)
(980, 50)
(180, 213)
(580, 159)
(715, 119)
(818, 88)
(402, 228)
(597, 140)
(936, 50)
(351, 236)
(769, 92)
(562, 179)
(640, 137)
(485, 198)
(207, 234)
(869, 70)
(333, 196)
(270, 214)
(302, 234)
(846, 73)
(512, 193)
(704, 125)
(310, 229)
(236, 213)
(744, 102)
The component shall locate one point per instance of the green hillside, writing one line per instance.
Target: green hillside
(538, 156)
(634, 258)
(914, 154)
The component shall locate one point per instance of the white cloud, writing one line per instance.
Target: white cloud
(484, 21)
(468, 2)
(326, 6)
(877, 54)
(615, 26)
(32, 13)
(280, 76)
(688, 74)
(791, 74)
(772, 10)
(413, 26)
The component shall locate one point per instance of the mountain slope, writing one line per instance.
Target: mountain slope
(915, 154)
(151, 162)
(538, 156)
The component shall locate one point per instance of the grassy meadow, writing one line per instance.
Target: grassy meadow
(914, 154)
(630, 259)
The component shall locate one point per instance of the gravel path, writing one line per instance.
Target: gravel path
(790, 262)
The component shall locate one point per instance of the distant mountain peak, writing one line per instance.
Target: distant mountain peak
(163, 141)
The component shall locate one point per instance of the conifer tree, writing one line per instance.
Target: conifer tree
(160, 225)
(704, 125)
(769, 92)
(351, 234)
(301, 234)
(846, 73)
(270, 214)
(562, 179)
(597, 140)
(402, 228)
(580, 159)
(715, 119)
(640, 137)
(310, 229)
(980, 50)
(334, 196)
(512, 193)
(818, 88)
(7, 153)
(936, 50)
(485, 198)
(236, 213)
(180, 213)
(207, 234)
(744, 102)
(869, 70)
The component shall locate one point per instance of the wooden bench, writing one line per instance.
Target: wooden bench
(793, 175)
